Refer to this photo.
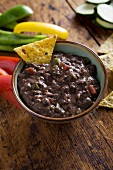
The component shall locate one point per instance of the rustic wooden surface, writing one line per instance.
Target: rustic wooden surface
(29, 144)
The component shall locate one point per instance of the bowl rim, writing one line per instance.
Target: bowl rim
(66, 119)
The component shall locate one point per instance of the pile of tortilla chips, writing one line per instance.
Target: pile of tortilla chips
(106, 51)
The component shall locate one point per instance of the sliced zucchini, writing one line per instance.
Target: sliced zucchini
(105, 12)
(98, 1)
(85, 9)
(103, 23)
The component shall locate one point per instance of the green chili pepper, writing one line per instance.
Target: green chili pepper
(11, 25)
(10, 38)
(9, 33)
(15, 40)
(14, 14)
(7, 48)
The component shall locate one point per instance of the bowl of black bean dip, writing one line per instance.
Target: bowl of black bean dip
(69, 87)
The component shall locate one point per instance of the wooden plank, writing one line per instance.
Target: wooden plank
(27, 143)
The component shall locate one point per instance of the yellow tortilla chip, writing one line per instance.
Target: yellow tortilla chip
(107, 49)
(39, 52)
(107, 46)
(107, 59)
(107, 101)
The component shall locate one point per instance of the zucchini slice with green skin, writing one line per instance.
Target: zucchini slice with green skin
(85, 9)
(103, 23)
(105, 12)
(98, 1)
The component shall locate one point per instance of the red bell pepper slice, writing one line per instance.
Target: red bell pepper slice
(6, 90)
(3, 72)
(92, 89)
(5, 82)
(8, 63)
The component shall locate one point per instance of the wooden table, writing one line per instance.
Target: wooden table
(29, 144)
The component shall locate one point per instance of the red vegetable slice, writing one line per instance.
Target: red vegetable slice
(3, 72)
(6, 89)
(92, 90)
(8, 63)
(66, 67)
(5, 82)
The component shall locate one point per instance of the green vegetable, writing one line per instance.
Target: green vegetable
(11, 25)
(36, 86)
(85, 9)
(15, 40)
(10, 38)
(14, 14)
(9, 33)
(105, 12)
(56, 61)
(102, 13)
(7, 48)
(103, 23)
(98, 1)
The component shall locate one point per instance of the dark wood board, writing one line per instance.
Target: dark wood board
(29, 144)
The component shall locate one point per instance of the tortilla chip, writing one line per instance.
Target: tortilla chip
(39, 52)
(109, 92)
(107, 46)
(107, 101)
(107, 59)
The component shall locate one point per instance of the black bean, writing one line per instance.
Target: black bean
(92, 69)
(45, 101)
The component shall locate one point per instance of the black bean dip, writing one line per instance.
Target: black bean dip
(65, 87)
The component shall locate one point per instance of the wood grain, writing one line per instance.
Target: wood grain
(29, 144)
